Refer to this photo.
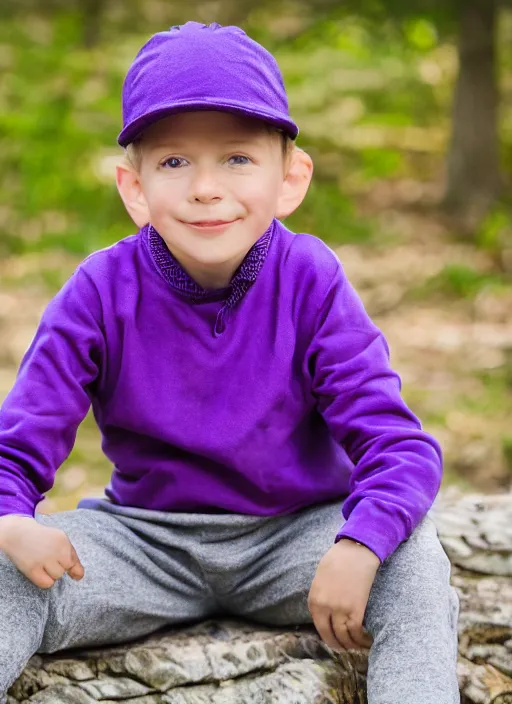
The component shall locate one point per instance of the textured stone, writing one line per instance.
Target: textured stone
(231, 662)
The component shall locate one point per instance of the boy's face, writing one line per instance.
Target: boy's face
(206, 167)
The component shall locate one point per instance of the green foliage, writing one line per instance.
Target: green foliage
(361, 78)
(458, 281)
(380, 163)
(58, 110)
(421, 33)
(506, 446)
(329, 214)
(442, 14)
(493, 396)
(495, 232)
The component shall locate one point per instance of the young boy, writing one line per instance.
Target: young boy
(244, 398)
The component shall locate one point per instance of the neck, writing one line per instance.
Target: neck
(214, 277)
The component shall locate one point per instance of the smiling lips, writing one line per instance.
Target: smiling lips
(211, 225)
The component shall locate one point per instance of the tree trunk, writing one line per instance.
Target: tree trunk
(221, 662)
(92, 14)
(473, 169)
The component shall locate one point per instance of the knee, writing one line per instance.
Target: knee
(415, 578)
(420, 560)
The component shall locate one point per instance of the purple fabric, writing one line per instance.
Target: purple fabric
(203, 67)
(183, 284)
(292, 403)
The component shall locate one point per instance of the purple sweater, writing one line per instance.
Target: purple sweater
(263, 398)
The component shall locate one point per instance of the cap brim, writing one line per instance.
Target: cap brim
(133, 129)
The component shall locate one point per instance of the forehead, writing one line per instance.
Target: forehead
(209, 124)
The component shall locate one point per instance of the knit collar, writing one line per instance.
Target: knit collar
(244, 277)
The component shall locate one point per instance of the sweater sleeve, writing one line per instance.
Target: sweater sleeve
(397, 466)
(50, 397)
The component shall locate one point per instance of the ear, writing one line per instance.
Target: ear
(296, 183)
(130, 190)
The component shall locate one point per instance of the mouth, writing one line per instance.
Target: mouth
(211, 225)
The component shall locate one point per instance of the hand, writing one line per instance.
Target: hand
(41, 553)
(339, 594)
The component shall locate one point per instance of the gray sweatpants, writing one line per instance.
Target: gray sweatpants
(145, 569)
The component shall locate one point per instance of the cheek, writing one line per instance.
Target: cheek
(260, 191)
(162, 197)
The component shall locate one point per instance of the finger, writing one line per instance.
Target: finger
(367, 638)
(41, 578)
(322, 622)
(54, 569)
(342, 634)
(71, 564)
(364, 639)
(76, 569)
(67, 555)
(358, 634)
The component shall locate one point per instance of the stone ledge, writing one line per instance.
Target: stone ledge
(230, 662)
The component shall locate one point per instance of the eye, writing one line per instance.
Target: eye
(171, 162)
(240, 156)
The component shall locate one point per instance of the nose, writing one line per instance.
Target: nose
(205, 187)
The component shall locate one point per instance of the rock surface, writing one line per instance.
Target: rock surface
(228, 662)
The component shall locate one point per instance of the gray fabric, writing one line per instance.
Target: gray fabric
(145, 569)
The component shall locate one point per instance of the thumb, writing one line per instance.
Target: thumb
(76, 571)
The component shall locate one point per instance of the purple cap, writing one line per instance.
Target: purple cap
(203, 67)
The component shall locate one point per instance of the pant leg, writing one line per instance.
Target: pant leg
(132, 587)
(23, 615)
(411, 614)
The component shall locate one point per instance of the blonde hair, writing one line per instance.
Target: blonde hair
(133, 152)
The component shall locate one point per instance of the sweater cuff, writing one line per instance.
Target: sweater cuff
(21, 506)
(377, 525)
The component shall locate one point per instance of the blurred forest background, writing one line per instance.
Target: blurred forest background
(405, 107)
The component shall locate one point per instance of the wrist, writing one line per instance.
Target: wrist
(346, 538)
(359, 546)
(9, 523)
(356, 542)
